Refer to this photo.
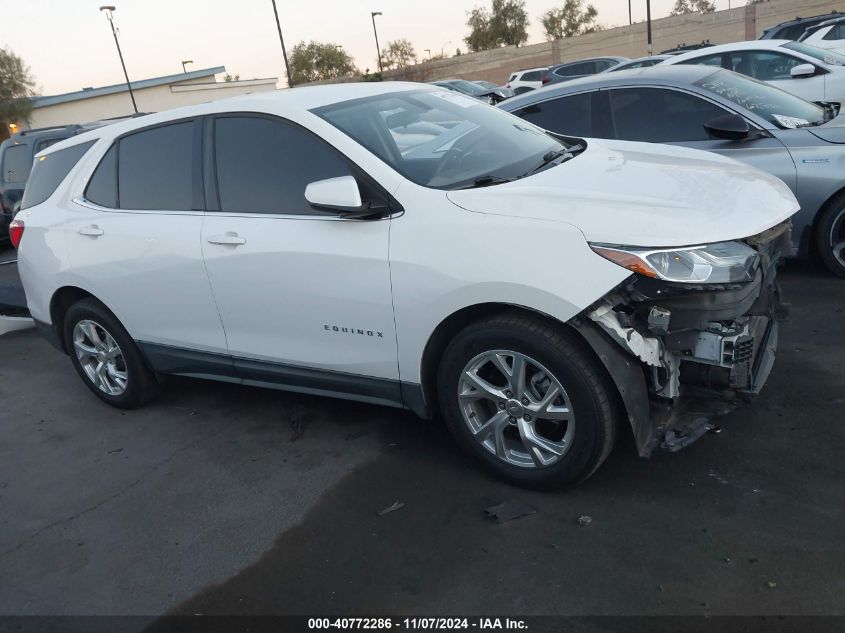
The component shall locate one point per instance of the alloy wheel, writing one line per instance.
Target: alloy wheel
(516, 408)
(100, 357)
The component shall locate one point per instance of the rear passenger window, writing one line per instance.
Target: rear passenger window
(534, 75)
(263, 165)
(566, 115)
(155, 169)
(49, 171)
(573, 70)
(102, 189)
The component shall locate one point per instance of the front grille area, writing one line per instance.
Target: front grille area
(739, 351)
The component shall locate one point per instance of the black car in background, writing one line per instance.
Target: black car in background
(16, 155)
(794, 29)
(580, 68)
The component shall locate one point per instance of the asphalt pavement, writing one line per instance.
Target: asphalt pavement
(225, 499)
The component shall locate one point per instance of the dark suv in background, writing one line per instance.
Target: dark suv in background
(16, 155)
(794, 29)
(580, 68)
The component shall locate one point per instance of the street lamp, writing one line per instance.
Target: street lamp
(373, 15)
(648, 20)
(109, 11)
(630, 20)
(282, 40)
(186, 61)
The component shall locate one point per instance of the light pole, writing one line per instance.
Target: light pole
(109, 11)
(373, 15)
(184, 62)
(630, 19)
(282, 40)
(648, 20)
(428, 50)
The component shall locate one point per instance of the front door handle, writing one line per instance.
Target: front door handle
(229, 238)
(93, 230)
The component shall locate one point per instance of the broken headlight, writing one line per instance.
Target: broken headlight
(723, 262)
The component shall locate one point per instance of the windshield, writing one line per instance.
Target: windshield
(828, 57)
(773, 104)
(442, 139)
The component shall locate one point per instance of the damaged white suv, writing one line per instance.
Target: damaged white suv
(408, 246)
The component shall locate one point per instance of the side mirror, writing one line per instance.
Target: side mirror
(335, 194)
(802, 70)
(729, 127)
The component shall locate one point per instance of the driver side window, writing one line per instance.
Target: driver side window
(764, 65)
(263, 165)
(655, 115)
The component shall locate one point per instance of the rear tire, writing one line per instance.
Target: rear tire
(557, 431)
(105, 356)
(830, 236)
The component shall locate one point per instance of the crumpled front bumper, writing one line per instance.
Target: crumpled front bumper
(682, 354)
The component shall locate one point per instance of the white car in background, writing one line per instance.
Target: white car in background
(812, 73)
(829, 35)
(400, 244)
(525, 80)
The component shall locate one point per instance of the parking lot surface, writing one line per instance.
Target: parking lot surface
(225, 499)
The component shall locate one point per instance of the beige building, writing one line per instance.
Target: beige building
(151, 95)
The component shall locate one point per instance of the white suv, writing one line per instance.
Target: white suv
(526, 80)
(409, 246)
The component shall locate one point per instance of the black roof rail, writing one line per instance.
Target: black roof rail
(72, 126)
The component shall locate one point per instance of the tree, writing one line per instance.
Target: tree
(16, 85)
(398, 54)
(504, 24)
(510, 22)
(315, 61)
(573, 18)
(682, 7)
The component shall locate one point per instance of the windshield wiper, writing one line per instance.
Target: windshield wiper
(486, 181)
(550, 157)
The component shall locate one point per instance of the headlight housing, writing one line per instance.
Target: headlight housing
(722, 262)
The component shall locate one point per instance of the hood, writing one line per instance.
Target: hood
(643, 194)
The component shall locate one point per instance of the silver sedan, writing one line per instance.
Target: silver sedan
(717, 110)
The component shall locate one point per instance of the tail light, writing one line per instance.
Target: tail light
(16, 232)
(545, 79)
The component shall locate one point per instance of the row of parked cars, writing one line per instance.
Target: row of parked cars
(543, 275)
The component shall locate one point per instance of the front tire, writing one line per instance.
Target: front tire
(105, 356)
(830, 235)
(528, 399)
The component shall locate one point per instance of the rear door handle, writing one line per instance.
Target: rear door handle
(93, 230)
(229, 238)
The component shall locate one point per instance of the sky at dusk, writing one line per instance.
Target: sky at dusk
(68, 45)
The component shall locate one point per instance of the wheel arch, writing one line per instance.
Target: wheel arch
(812, 246)
(60, 303)
(449, 327)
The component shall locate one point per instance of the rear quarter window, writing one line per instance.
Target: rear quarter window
(49, 171)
